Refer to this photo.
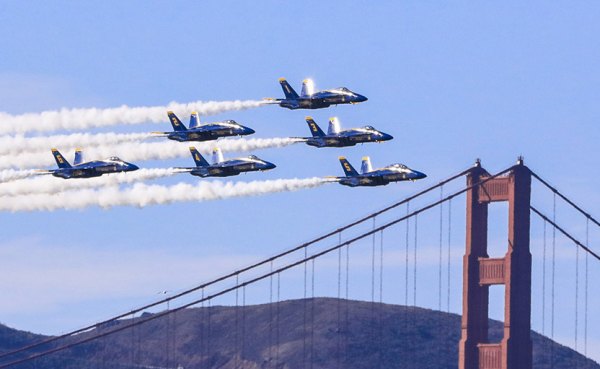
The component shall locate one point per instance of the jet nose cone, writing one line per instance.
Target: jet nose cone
(269, 166)
(360, 98)
(249, 131)
(132, 167)
(419, 175)
(387, 137)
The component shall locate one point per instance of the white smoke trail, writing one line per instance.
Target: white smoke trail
(142, 195)
(147, 151)
(83, 118)
(15, 145)
(50, 185)
(9, 175)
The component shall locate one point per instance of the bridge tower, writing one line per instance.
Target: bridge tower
(513, 271)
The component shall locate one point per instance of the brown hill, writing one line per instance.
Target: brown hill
(298, 334)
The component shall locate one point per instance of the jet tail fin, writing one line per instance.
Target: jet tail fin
(308, 88)
(60, 160)
(175, 122)
(314, 128)
(198, 158)
(366, 166)
(78, 157)
(334, 126)
(194, 120)
(348, 168)
(217, 155)
(288, 90)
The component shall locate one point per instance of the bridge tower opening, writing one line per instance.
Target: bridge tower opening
(513, 271)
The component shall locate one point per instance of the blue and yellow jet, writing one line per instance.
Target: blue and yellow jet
(225, 168)
(336, 137)
(377, 177)
(203, 132)
(308, 99)
(89, 169)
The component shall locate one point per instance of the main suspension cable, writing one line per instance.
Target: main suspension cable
(566, 234)
(556, 192)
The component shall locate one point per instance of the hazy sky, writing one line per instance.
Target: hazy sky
(451, 82)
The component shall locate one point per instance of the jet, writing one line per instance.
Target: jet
(308, 99)
(203, 132)
(377, 177)
(335, 137)
(89, 169)
(225, 168)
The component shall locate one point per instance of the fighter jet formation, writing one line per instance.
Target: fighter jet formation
(335, 137)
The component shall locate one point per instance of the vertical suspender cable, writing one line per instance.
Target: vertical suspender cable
(415, 263)
(209, 331)
(373, 285)
(373, 268)
(544, 281)
(312, 316)
(174, 339)
(406, 256)
(406, 266)
(271, 316)
(440, 251)
(103, 340)
(576, 300)
(237, 323)
(168, 318)
(553, 279)
(380, 308)
(448, 267)
(139, 344)
(347, 312)
(585, 311)
(132, 341)
(304, 312)
(449, 254)
(277, 322)
(204, 330)
(339, 306)
(243, 325)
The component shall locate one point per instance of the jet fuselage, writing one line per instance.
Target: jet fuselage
(94, 168)
(349, 137)
(232, 167)
(210, 131)
(323, 99)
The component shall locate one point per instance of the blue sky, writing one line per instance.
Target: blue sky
(451, 82)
